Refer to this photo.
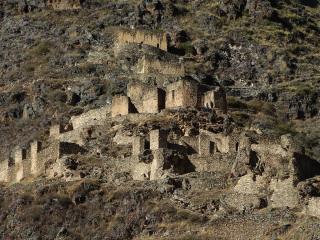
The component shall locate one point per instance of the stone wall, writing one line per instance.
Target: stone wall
(211, 143)
(65, 4)
(182, 94)
(154, 100)
(150, 64)
(90, 118)
(138, 145)
(136, 91)
(158, 40)
(158, 139)
(55, 131)
(35, 148)
(20, 156)
(4, 167)
(157, 165)
(121, 105)
(215, 99)
(285, 194)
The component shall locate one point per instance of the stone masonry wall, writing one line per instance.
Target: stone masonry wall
(215, 99)
(181, 94)
(158, 139)
(4, 167)
(154, 100)
(136, 91)
(158, 40)
(90, 118)
(148, 65)
(64, 4)
(285, 194)
(121, 105)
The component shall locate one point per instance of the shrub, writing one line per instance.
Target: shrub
(235, 103)
(42, 49)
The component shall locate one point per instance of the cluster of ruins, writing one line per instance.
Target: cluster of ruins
(252, 159)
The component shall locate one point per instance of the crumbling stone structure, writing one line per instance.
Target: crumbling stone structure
(154, 65)
(158, 139)
(21, 166)
(158, 40)
(154, 100)
(211, 143)
(182, 94)
(121, 105)
(4, 171)
(91, 118)
(215, 99)
(138, 145)
(65, 4)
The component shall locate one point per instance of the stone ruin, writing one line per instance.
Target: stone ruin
(65, 4)
(149, 64)
(267, 169)
(158, 40)
(143, 98)
(32, 161)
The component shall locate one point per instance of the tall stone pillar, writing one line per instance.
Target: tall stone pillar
(158, 139)
(35, 161)
(19, 156)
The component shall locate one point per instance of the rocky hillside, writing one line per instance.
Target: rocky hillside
(57, 64)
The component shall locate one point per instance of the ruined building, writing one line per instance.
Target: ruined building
(158, 40)
(155, 65)
(143, 98)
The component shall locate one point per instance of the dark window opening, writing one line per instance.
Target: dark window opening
(146, 145)
(212, 147)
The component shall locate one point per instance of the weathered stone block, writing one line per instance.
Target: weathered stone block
(183, 94)
(141, 172)
(138, 145)
(35, 161)
(20, 155)
(206, 147)
(158, 40)
(154, 65)
(215, 99)
(158, 139)
(121, 105)
(285, 194)
(154, 100)
(157, 165)
(4, 170)
(55, 131)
